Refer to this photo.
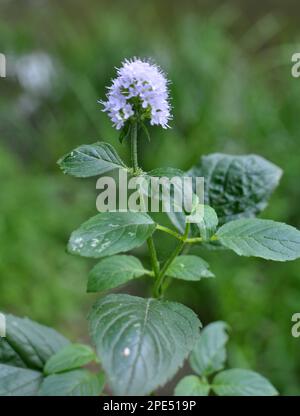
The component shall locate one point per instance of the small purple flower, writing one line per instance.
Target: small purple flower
(140, 90)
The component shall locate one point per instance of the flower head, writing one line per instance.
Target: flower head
(141, 91)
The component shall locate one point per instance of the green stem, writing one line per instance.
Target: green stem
(194, 240)
(134, 153)
(153, 256)
(200, 239)
(160, 280)
(169, 231)
(135, 165)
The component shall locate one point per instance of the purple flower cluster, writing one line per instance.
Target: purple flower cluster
(140, 89)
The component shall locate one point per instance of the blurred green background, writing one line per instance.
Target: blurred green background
(232, 91)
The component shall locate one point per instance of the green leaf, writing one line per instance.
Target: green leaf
(70, 357)
(166, 172)
(261, 238)
(209, 352)
(72, 383)
(144, 127)
(208, 224)
(189, 267)
(125, 132)
(141, 342)
(167, 190)
(110, 233)
(29, 344)
(238, 382)
(192, 386)
(237, 186)
(91, 160)
(178, 219)
(114, 271)
(19, 381)
(9, 356)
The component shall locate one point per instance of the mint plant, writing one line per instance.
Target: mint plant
(37, 360)
(141, 342)
(208, 359)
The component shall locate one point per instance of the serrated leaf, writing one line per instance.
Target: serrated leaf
(192, 386)
(72, 383)
(9, 356)
(141, 342)
(189, 267)
(29, 344)
(208, 223)
(209, 352)
(261, 238)
(114, 271)
(70, 357)
(110, 233)
(16, 381)
(179, 220)
(237, 186)
(91, 160)
(238, 382)
(207, 217)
